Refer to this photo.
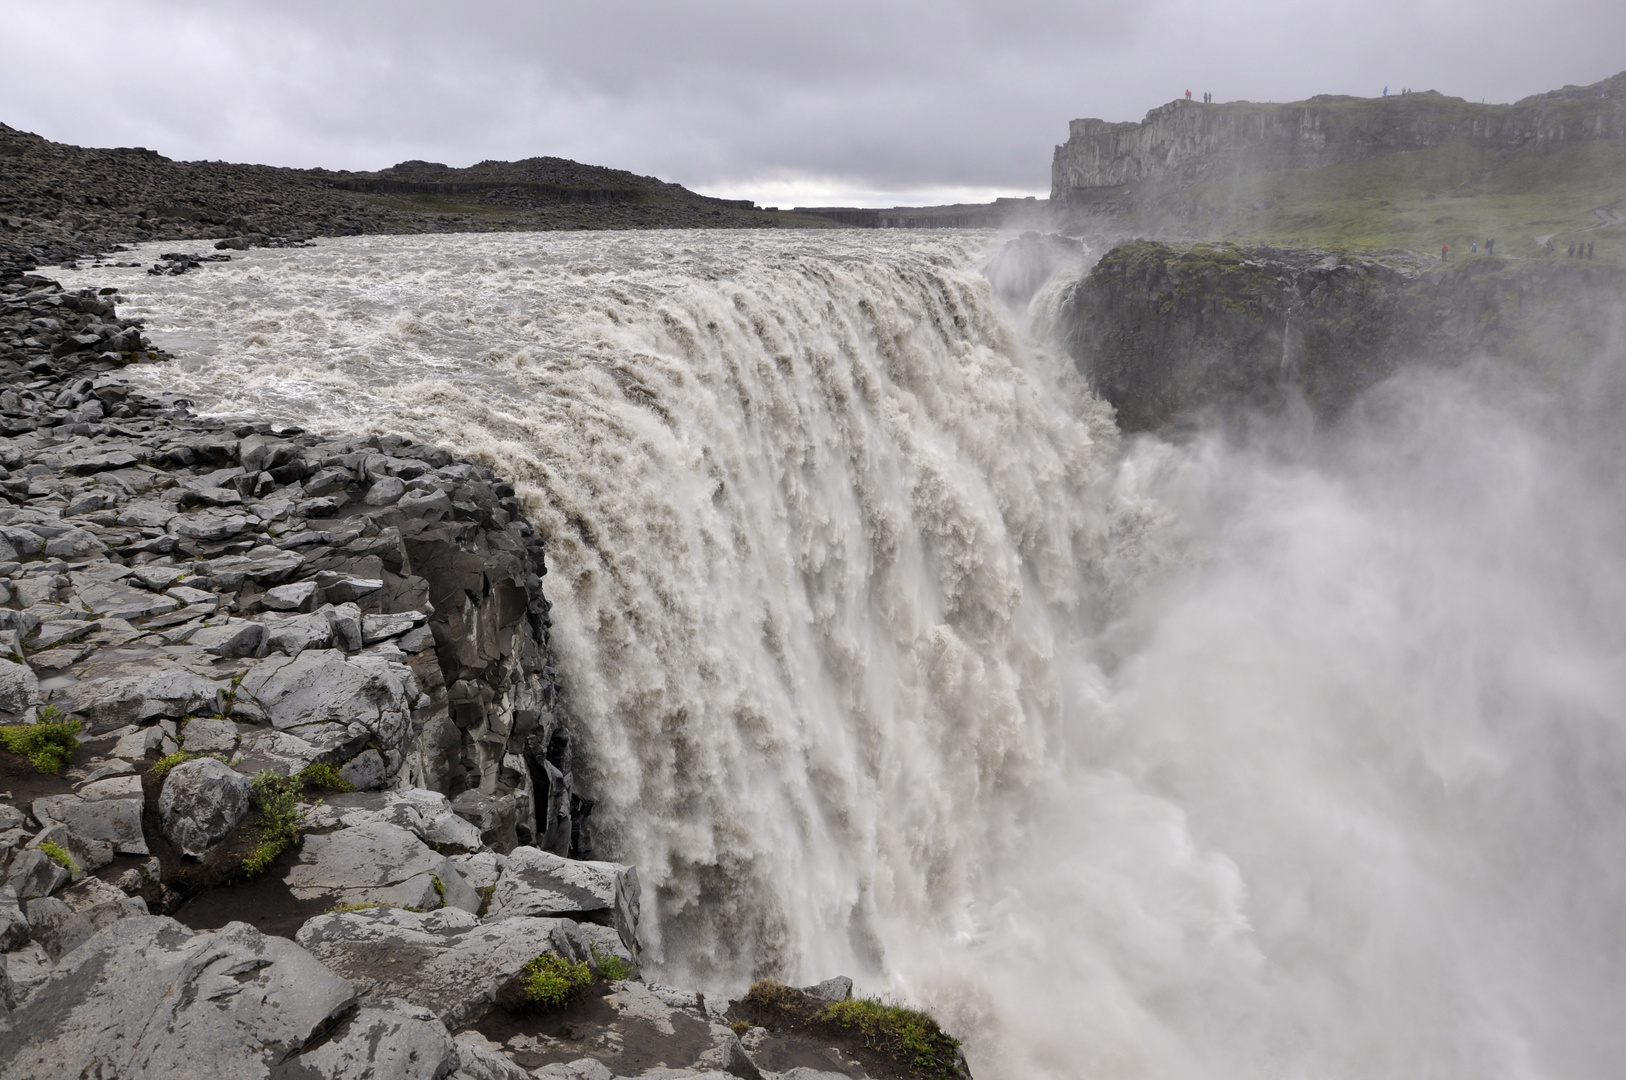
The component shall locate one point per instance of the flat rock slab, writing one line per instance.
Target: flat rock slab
(133, 692)
(116, 821)
(148, 997)
(446, 961)
(377, 862)
(536, 882)
(385, 1044)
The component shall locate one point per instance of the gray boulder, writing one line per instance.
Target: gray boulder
(206, 735)
(376, 862)
(202, 802)
(481, 1059)
(396, 1042)
(114, 821)
(447, 961)
(298, 596)
(234, 637)
(322, 686)
(13, 923)
(63, 922)
(33, 874)
(148, 997)
(19, 689)
(536, 882)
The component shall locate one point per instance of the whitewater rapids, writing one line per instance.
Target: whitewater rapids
(1296, 758)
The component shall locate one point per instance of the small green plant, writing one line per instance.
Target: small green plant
(323, 776)
(440, 888)
(276, 803)
(50, 714)
(161, 767)
(485, 900)
(740, 1027)
(553, 980)
(47, 745)
(366, 905)
(60, 856)
(612, 968)
(902, 1034)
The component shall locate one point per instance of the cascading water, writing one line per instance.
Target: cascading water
(1297, 759)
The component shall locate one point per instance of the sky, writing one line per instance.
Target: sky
(879, 103)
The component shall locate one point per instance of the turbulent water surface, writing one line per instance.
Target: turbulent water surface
(1299, 758)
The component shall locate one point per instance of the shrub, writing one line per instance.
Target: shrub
(612, 967)
(47, 746)
(60, 856)
(553, 980)
(276, 803)
(325, 777)
(901, 1034)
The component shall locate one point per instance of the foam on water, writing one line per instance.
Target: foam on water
(1299, 759)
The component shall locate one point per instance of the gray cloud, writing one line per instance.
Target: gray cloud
(878, 101)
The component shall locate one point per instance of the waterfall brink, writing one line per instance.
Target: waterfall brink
(1298, 758)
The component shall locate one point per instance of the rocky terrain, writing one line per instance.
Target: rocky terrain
(59, 202)
(1167, 332)
(283, 787)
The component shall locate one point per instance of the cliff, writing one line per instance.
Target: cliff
(1169, 332)
(1186, 141)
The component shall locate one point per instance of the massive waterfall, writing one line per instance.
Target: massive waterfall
(1300, 756)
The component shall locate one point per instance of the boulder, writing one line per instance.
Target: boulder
(61, 923)
(396, 1042)
(322, 686)
(206, 735)
(481, 1059)
(496, 817)
(148, 997)
(13, 923)
(19, 689)
(446, 961)
(536, 882)
(298, 596)
(376, 862)
(201, 803)
(114, 820)
(234, 637)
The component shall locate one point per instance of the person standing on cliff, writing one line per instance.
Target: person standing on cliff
(1188, 95)
(1445, 252)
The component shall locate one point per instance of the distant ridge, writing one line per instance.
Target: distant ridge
(59, 201)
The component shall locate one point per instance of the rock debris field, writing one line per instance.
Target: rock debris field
(312, 811)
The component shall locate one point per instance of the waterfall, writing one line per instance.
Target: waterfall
(885, 657)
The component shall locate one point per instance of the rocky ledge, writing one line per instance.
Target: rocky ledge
(283, 787)
(1169, 332)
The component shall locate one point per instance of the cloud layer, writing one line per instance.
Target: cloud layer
(877, 102)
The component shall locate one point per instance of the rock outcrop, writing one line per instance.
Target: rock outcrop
(1186, 141)
(1165, 332)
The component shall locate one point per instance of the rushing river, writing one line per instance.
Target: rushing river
(1304, 757)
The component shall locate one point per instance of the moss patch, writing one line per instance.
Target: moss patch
(48, 746)
(275, 800)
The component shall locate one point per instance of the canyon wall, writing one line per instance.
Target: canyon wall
(1185, 141)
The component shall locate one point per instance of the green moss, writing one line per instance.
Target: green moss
(485, 900)
(339, 909)
(553, 980)
(740, 1027)
(161, 767)
(324, 777)
(275, 800)
(905, 1035)
(440, 888)
(60, 856)
(47, 746)
(612, 968)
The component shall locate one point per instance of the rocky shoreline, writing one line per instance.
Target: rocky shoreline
(317, 814)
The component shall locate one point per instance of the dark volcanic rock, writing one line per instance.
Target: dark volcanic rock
(1166, 332)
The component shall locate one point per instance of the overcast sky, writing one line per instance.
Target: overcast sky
(868, 103)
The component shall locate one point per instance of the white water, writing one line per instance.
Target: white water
(1303, 759)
